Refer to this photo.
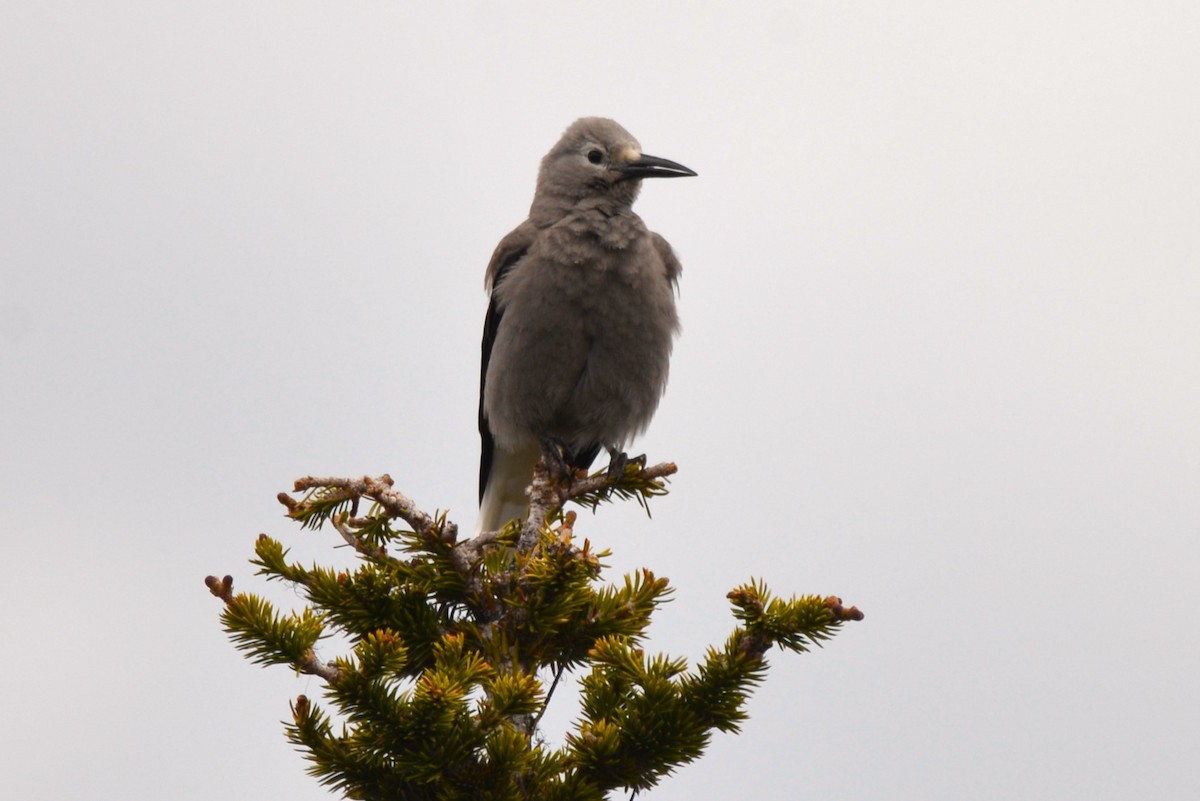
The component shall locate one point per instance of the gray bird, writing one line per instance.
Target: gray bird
(579, 329)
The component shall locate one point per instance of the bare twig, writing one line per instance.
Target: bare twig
(342, 523)
(468, 552)
(394, 502)
(316, 667)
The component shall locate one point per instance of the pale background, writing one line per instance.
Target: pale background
(941, 356)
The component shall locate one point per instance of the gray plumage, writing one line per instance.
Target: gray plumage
(582, 316)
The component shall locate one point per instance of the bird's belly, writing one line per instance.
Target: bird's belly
(593, 355)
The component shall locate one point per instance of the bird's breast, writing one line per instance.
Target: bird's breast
(583, 346)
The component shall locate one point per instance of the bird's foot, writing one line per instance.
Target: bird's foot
(618, 461)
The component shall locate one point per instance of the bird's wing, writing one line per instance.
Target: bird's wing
(670, 260)
(508, 253)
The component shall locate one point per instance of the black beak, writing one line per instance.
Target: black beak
(654, 167)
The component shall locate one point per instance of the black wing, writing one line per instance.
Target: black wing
(491, 324)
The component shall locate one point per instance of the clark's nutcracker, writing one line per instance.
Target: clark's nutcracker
(582, 315)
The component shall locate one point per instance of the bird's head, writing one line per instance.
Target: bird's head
(597, 158)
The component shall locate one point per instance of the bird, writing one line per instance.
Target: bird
(581, 319)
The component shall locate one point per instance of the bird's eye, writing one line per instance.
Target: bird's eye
(595, 156)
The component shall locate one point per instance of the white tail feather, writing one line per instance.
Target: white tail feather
(504, 498)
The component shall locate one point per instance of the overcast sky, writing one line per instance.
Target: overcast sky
(941, 357)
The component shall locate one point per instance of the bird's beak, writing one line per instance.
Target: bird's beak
(653, 167)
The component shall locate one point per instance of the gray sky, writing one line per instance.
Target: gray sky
(941, 356)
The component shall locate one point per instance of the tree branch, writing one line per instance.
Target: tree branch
(223, 589)
(393, 501)
(601, 481)
(547, 494)
(316, 667)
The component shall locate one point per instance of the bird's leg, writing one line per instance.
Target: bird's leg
(557, 456)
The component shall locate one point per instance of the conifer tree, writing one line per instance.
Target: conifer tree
(452, 643)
